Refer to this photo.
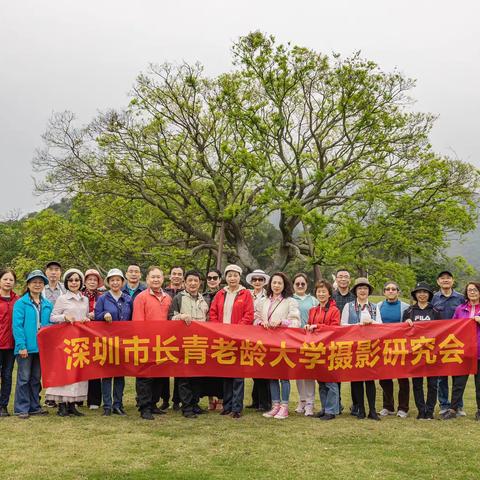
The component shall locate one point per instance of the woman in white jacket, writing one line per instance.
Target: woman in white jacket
(278, 309)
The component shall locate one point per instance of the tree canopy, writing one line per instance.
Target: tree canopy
(293, 156)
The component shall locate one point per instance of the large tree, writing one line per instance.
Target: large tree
(328, 149)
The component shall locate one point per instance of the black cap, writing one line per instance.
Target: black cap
(422, 286)
(53, 262)
(445, 272)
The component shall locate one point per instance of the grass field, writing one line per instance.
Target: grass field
(253, 447)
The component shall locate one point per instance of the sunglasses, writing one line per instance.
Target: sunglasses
(300, 284)
(215, 277)
(258, 279)
(391, 289)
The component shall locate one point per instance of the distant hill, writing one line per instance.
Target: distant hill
(468, 247)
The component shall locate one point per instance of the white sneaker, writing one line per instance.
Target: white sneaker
(443, 410)
(282, 413)
(309, 410)
(93, 407)
(461, 412)
(384, 412)
(300, 407)
(402, 414)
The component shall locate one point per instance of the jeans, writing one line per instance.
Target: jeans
(329, 397)
(233, 392)
(27, 392)
(432, 387)
(443, 394)
(118, 387)
(7, 360)
(275, 391)
(403, 394)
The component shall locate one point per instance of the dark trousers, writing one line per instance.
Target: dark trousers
(425, 408)
(477, 385)
(118, 388)
(403, 394)
(7, 360)
(188, 389)
(458, 387)
(162, 391)
(358, 395)
(145, 388)
(94, 392)
(233, 392)
(261, 397)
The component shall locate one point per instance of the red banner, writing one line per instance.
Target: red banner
(72, 353)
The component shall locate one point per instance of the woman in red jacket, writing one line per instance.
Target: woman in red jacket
(7, 299)
(233, 304)
(326, 313)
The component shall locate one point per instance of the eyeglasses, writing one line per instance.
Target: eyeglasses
(215, 277)
(472, 290)
(300, 284)
(258, 279)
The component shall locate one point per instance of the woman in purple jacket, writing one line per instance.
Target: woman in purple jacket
(469, 309)
(114, 305)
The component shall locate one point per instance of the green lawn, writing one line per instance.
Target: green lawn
(215, 447)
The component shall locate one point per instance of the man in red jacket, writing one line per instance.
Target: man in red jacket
(233, 304)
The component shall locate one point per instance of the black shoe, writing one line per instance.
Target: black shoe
(361, 415)
(72, 410)
(477, 415)
(327, 416)
(253, 405)
(119, 411)
(176, 407)
(199, 411)
(4, 412)
(147, 415)
(164, 406)
(50, 403)
(225, 412)
(63, 410)
(320, 414)
(236, 415)
(421, 416)
(107, 412)
(429, 416)
(158, 411)
(354, 410)
(262, 409)
(189, 415)
(40, 411)
(374, 416)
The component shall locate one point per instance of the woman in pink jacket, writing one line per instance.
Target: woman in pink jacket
(469, 309)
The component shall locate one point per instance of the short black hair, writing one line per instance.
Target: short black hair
(216, 270)
(192, 273)
(177, 266)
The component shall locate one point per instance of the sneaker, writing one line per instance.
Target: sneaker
(300, 407)
(477, 415)
(385, 412)
(449, 415)
(94, 407)
(443, 411)
(327, 416)
(282, 412)
(401, 414)
(309, 410)
(275, 409)
(23, 416)
(40, 411)
(461, 412)
(320, 414)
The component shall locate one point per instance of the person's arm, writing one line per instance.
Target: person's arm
(99, 310)
(139, 309)
(247, 317)
(18, 327)
(293, 315)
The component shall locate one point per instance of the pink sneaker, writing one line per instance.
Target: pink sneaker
(282, 412)
(275, 409)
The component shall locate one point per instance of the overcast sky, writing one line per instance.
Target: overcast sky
(84, 56)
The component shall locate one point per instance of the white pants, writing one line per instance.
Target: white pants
(306, 391)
